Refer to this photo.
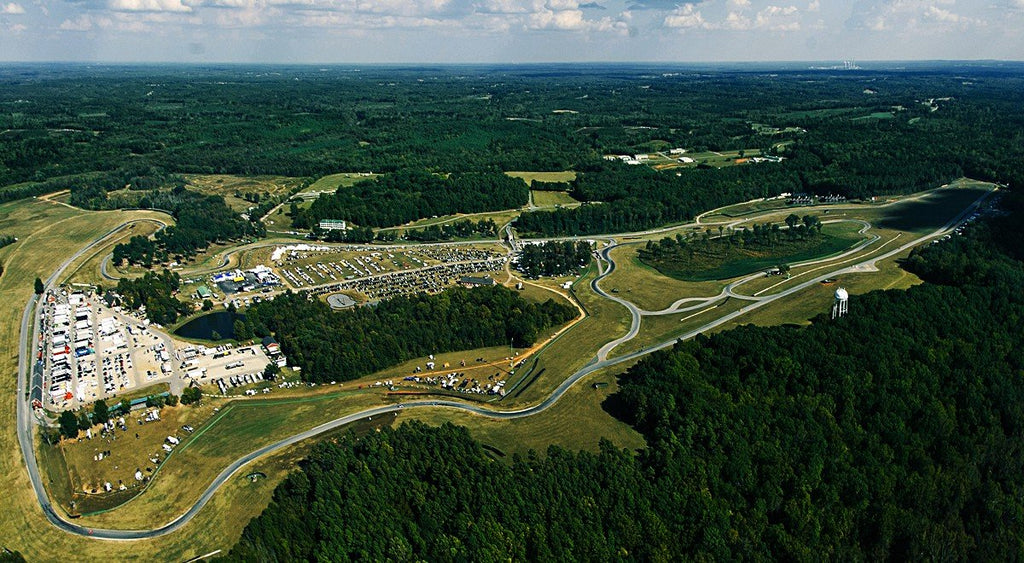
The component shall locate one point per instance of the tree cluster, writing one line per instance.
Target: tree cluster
(463, 228)
(444, 499)
(553, 258)
(156, 292)
(342, 345)
(404, 196)
(200, 220)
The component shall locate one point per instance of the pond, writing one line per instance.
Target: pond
(203, 327)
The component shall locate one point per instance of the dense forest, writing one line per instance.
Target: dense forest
(331, 345)
(553, 258)
(855, 133)
(401, 197)
(895, 432)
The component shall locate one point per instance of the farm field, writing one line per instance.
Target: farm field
(551, 199)
(331, 182)
(228, 186)
(556, 177)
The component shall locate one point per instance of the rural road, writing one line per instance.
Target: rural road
(598, 363)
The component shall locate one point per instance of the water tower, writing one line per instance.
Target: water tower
(841, 305)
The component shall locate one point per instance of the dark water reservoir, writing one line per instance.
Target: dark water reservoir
(222, 322)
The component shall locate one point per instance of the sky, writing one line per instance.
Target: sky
(508, 31)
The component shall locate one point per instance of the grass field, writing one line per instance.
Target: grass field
(332, 182)
(551, 199)
(605, 321)
(710, 158)
(876, 115)
(501, 218)
(87, 269)
(929, 212)
(726, 262)
(576, 422)
(647, 288)
(556, 177)
(227, 186)
(799, 308)
(657, 329)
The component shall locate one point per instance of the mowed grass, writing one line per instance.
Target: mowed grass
(228, 185)
(576, 422)
(802, 306)
(334, 181)
(657, 329)
(727, 262)
(648, 288)
(88, 268)
(572, 350)
(554, 177)
(747, 208)
(927, 213)
(240, 427)
(500, 218)
(129, 451)
(551, 199)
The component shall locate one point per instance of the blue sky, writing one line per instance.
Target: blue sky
(515, 31)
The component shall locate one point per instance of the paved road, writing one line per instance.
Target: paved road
(106, 259)
(599, 363)
(24, 409)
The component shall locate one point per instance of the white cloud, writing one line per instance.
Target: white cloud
(778, 18)
(771, 18)
(81, 23)
(562, 19)
(557, 5)
(148, 6)
(12, 9)
(502, 7)
(17, 28)
(908, 15)
(737, 22)
(686, 17)
(547, 18)
(815, 6)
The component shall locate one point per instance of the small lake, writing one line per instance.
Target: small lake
(203, 327)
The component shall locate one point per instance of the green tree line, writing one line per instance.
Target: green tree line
(341, 345)
(407, 195)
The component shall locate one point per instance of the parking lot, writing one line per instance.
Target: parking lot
(89, 350)
(328, 265)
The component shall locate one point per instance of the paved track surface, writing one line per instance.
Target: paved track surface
(598, 363)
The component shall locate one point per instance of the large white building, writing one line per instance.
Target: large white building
(332, 225)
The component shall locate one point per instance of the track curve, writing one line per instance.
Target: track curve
(598, 363)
